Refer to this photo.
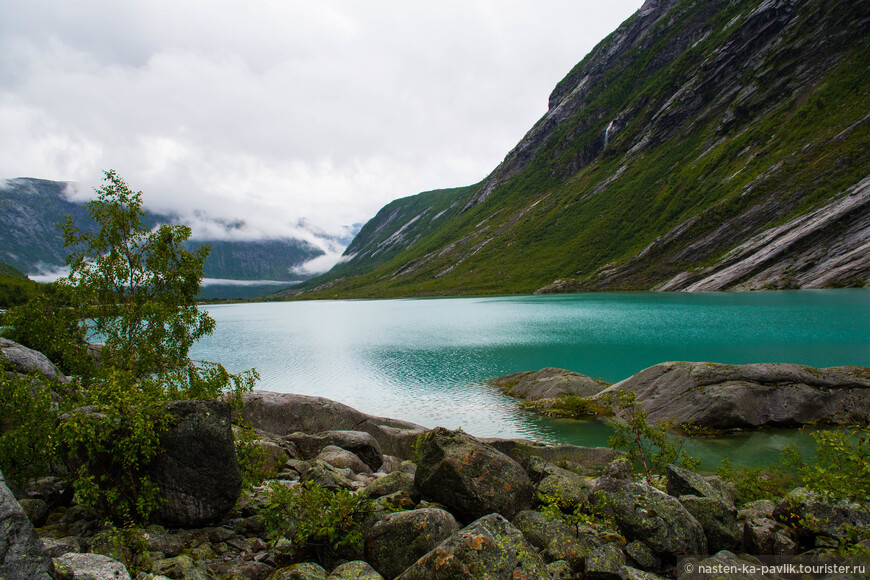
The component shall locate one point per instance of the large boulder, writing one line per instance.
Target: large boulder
(470, 478)
(723, 397)
(811, 516)
(644, 513)
(555, 539)
(574, 457)
(22, 554)
(27, 361)
(197, 471)
(286, 413)
(548, 383)
(401, 538)
(717, 519)
(74, 566)
(489, 547)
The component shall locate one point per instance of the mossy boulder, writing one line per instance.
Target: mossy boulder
(22, 554)
(303, 571)
(400, 539)
(605, 563)
(356, 570)
(391, 483)
(564, 485)
(470, 478)
(680, 481)
(720, 525)
(489, 547)
(642, 512)
(555, 539)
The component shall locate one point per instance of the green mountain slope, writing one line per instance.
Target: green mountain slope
(701, 146)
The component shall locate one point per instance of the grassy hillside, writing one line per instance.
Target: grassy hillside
(681, 136)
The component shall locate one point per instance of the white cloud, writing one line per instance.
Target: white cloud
(278, 110)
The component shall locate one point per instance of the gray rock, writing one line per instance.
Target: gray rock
(573, 457)
(325, 475)
(723, 397)
(401, 538)
(548, 383)
(605, 563)
(356, 570)
(27, 361)
(392, 483)
(560, 570)
(555, 539)
(22, 553)
(286, 413)
(182, 566)
(470, 478)
(564, 485)
(720, 525)
(762, 508)
(811, 516)
(250, 570)
(338, 457)
(89, 567)
(36, 510)
(644, 513)
(766, 537)
(689, 569)
(681, 481)
(303, 571)
(642, 555)
(197, 472)
(488, 547)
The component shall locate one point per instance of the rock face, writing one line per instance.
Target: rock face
(470, 478)
(197, 472)
(723, 397)
(285, 413)
(489, 547)
(28, 361)
(90, 567)
(548, 383)
(22, 554)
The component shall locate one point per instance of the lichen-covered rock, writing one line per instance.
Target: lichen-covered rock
(356, 570)
(576, 458)
(391, 483)
(724, 397)
(489, 547)
(560, 570)
(644, 513)
(401, 538)
(680, 481)
(88, 567)
(743, 567)
(303, 571)
(36, 510)
(325, 475)
(470, 478)
(811, 516)
(642, 555)
(22, 554)
(605, 563)
(343, 459)
(766, 537)
(564, 485)
(720, 525)
(249, 570)
(182, 566)
(548, 383)
(197, 471)
(762, 508)
(555, 539)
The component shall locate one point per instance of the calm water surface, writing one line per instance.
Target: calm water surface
(427, 360)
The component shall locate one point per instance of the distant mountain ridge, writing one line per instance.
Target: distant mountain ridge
(30, 210)
(701, 146)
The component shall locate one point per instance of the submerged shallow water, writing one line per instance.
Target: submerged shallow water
(427, 360)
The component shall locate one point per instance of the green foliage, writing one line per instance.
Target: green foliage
(314, 518)
(127, 545)
(137, 287)
(755, 483)
(253, 459)
(48, 323)
(567, 406)
(134, 289)
(558, 507)
(27, 426)
(841, 467)
(652, 447)
(15, 287)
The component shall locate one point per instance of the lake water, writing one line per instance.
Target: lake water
(427, 360)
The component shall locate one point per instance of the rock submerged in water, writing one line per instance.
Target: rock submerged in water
(722, 397)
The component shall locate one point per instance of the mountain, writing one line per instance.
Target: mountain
(31, 209)
(706, 145)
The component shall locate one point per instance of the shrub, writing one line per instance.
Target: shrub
(755, 483)
(652, 447)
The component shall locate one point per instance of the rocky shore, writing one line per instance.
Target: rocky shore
(433, 504)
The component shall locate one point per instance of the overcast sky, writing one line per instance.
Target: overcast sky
(280, 111)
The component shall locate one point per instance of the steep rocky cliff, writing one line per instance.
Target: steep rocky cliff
(701, 146)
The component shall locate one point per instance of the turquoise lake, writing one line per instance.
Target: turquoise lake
(427, 360)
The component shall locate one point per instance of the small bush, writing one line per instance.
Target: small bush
(841, 468)
(316, 519)
(755, 483)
